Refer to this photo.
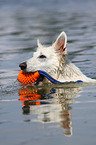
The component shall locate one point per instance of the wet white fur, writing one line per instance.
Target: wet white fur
(56, 62)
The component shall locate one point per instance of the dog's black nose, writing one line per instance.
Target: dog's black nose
(23, 66)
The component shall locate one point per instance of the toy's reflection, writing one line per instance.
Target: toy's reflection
(50, 105)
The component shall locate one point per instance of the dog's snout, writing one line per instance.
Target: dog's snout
(23, 66)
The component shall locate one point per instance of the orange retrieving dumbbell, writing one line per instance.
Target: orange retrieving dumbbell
(26, 78)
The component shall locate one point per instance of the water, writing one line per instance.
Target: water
(50, 114)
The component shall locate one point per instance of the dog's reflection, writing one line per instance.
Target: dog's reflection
(50, 105)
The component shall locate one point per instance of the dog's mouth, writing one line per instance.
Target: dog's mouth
(23, 67)
(39, 80)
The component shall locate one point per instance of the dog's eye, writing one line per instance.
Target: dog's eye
(42, 56)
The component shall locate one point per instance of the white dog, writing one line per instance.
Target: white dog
(54, 61)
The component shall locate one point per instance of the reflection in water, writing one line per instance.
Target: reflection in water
(50, 105)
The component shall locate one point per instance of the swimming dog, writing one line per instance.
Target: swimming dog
(54, 60)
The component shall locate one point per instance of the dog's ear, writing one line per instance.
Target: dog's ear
(60, 43)
(39, 44)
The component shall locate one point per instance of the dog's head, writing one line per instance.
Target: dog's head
(47, 58)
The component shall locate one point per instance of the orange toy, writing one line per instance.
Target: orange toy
(26, 78)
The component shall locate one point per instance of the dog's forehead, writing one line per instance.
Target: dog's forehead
(45, 51)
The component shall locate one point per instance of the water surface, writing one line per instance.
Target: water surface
(49, 114)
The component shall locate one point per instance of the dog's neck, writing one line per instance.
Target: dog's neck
(63, 61)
